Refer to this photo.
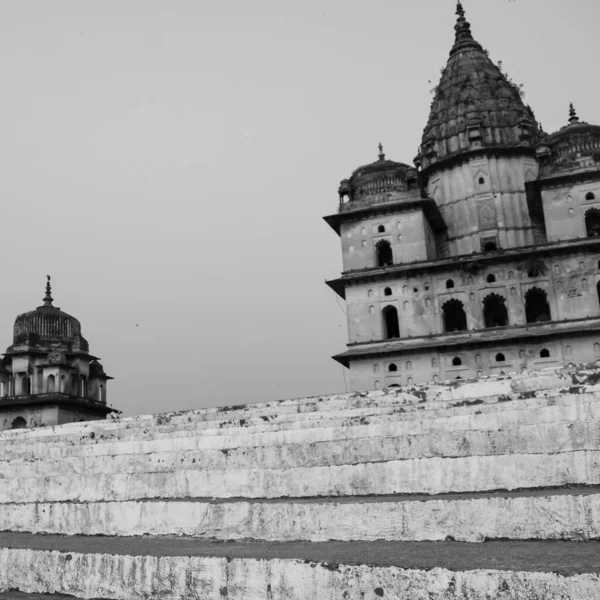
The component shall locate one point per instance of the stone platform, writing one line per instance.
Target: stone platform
(484, 489)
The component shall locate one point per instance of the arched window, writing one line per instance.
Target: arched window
(490, 247)
(454, 316)
(387, 291)
(481, 181)
(393, 368)
(84, 391)
(50, 384)
(590, 196)
(384, 253)
(381, 229)
(409, 366)
(74, 385)
(500, 357)
(25, 384)
(434, 363)
(494, 311)
(63, 384)
(450, 283)
(491, 278)
(456, 362)
(537, 309)
(545, 353)
(592, 222)
(390, 322)
(19, 423)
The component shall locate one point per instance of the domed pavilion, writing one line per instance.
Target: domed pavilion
(47, 375)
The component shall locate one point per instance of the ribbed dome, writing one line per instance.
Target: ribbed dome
(572, 143)
(474, 106)
(48, 325)
(381, 177)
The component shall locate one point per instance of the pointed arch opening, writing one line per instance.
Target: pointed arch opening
(19, 423)
(490, 246)
(491, 278)
(383, 251)
(456, 362)
(387, 291)
(50, 383)
(500, 357)
(537, 309)
(454, 316)
(495, 313)
(590, 196)
(391, 326)
(592, 222)
(449, 284)
(393, 368)
(545, 353)
(74, 385)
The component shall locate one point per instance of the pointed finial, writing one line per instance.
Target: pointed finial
(463, 38)
(48, 297)
(573, 118)
(381, 154)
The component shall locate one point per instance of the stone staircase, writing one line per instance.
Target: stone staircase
(466, 490)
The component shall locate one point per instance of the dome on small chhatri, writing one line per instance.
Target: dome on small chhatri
(475, 105)
(575, 145)
(377, 179)
(47, 325)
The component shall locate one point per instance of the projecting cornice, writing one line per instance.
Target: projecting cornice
(468, 262)
(464, 339)
(428, 205)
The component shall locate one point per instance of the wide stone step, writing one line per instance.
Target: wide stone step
(184, 568)
(422, 397)
(531, 439)
(568, 514)
(571, 408)
(414, 476)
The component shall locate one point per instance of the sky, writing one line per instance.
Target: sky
(169, 163)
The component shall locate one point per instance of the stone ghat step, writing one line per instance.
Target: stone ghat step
(566, 558)
(516, 385)
(502, 415)
(413, 476)
(426, 397)
(123, 577)
(544, 438)
(567, 514)
(13, 595)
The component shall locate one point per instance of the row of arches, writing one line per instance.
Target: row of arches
(76, 385)
(495, 313)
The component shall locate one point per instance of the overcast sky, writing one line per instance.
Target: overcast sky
(168, 163)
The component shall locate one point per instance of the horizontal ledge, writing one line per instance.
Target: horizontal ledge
(563, 557)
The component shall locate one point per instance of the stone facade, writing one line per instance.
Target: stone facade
(466, 490)
(483, 259)
(48, 376)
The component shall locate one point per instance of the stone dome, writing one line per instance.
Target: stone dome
(378, 178)
(570, 146)
(47, 325)
(475, 106)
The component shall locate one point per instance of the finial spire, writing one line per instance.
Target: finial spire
(381, 154)
(573, 118)
(463, 37)
(48, 297)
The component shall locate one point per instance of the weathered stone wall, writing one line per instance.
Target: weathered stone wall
(414, 465)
